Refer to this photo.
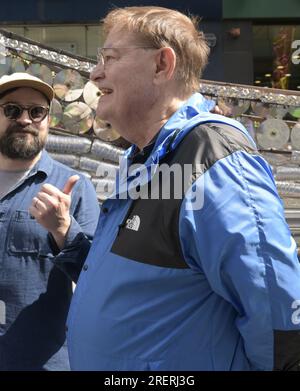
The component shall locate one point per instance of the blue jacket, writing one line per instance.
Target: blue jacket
(178, 284)
(34, 295)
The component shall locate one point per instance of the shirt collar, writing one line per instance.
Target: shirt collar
(140, 156)
(44, 164)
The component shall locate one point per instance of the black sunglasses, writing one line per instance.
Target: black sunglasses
(14, 111)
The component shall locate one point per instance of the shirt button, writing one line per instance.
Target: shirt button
(104, 209)
(85, 267)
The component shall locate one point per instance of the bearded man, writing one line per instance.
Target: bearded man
(34, 294)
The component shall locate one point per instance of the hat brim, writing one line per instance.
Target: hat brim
(40, 86)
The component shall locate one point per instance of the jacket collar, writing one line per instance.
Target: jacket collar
(195, 111)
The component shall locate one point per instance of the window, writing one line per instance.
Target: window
(276, 61)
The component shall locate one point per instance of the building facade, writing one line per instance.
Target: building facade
(252, 41)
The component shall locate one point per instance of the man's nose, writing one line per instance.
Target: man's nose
(24, 119)
(97, 73)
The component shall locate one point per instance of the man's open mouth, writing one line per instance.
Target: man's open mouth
(105, 91)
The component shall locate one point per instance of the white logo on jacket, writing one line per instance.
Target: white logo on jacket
(134, 223)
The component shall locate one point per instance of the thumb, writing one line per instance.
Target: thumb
(70, 184)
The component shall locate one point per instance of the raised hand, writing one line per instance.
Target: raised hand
(51, 208)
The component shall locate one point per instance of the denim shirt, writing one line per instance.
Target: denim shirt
(34, 294)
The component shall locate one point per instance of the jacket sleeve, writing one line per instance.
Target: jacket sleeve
(84, 218)
(236, 234)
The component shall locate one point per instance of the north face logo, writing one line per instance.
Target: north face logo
(133, 223)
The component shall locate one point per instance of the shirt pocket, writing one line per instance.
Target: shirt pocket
(27, 237)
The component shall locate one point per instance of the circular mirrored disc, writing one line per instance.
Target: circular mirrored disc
(261, 109)
(91, 95)
(267, 110)
(249, 125)
(104, 131)
(278, 111)
(10, 65)
(56, 113)
(295, 136)
(78, 117)
(5, 65)
(17, 65)
(273, 133)
(41, 71)
(235, 106)
(68, 85)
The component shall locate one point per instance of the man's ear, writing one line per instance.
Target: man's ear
(165, 64)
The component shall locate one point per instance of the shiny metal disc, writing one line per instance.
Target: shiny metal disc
(278, 111)
(104, 131)
(41, 71)
(56, 113)
(10, 65)
(17, 65)
(91, 95)
(68, 85)
(3, 55)
(261, 109)
(273, 133)
(295, 136)
(236, 106)
(267, 110)
(5, 65)
(78, 117)
(249, 125)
